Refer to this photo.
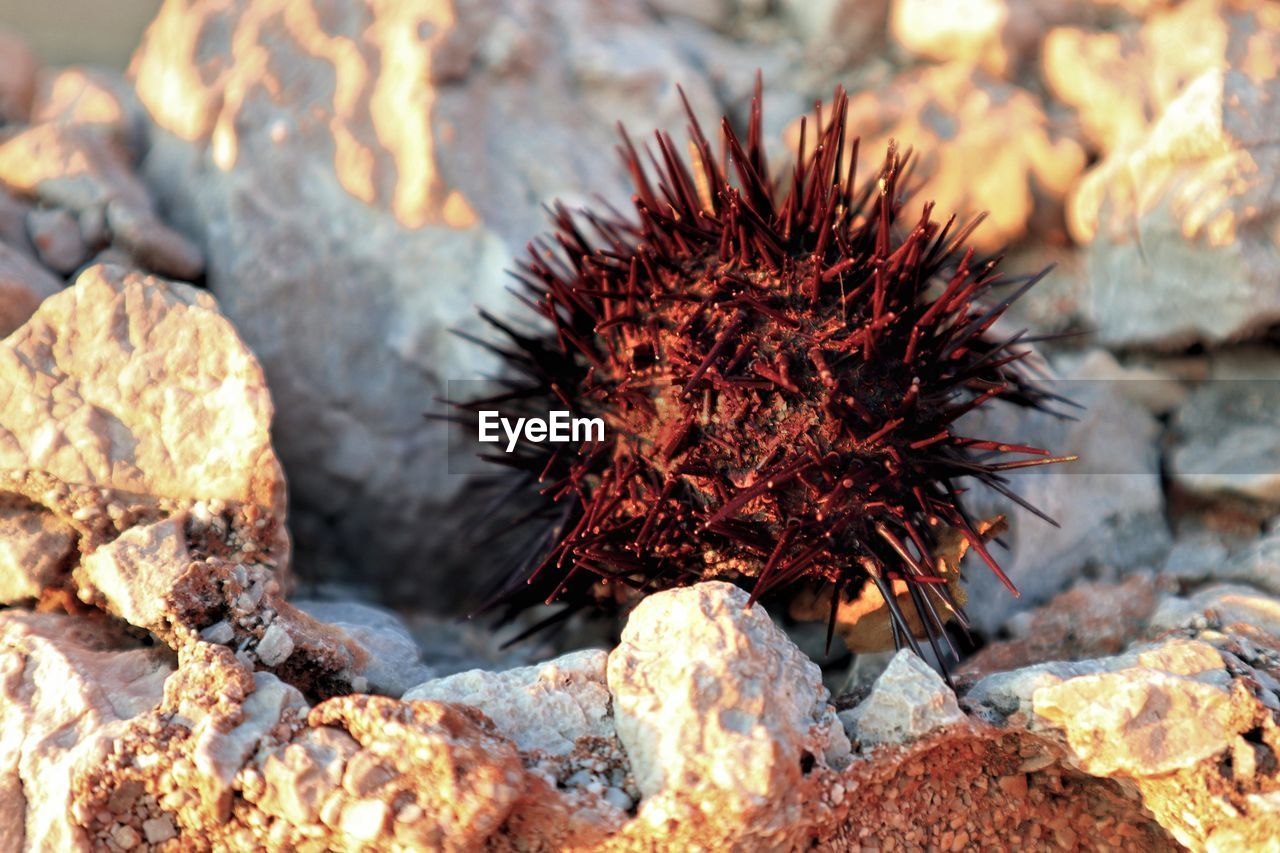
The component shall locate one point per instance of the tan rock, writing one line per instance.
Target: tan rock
(35, 551)
(86, 97)
(70, 166)
(135, 384)
(979, 144)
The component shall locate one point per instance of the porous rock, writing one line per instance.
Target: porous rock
(547, 707)
(388, 129)
(957, 121)
(67, 686)
(908, 700)
(714, 703)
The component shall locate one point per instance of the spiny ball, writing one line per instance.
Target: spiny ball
(780, 365)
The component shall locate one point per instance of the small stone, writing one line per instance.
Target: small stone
(275, 646)
(159, 829)
(220, 633)
(908, 701)
(125, 836)
(56, 235)
(364, 820)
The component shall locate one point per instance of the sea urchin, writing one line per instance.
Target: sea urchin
(780, 368)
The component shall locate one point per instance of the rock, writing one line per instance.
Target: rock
(56, 237)
(67, 165)
(1086, 621)
(1000, 36)
(837, 34)
(960, 124)
(447, 760)
(546, 708)
(18, 70)
(395, 142)
(1109, 504)
(88, 173)
(35, 550)
(1228, 443)
(714, 703)
(1224, 604)
(23, 286)
(1143, 723)
(1121, 80)
(908, 701)
(136, 406)
(395, 664)
(1257, 564)
(1190, 203)
(89, 97)
(67, 686)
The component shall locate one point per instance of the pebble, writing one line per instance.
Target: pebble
(57, 238)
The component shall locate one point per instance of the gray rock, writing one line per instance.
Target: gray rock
(1109, 504)
(24, 284)
(34, 550)
(1228, 431)
(56, 235)
(710, 695)
(395, 663)
(545, 708)
(460, 127)
(908, 701)
(1225, 604)
(1170, 261)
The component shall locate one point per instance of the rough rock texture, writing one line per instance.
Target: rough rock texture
(432, 130)
(67, 685)
(713, 701)
(135, 407)
(546, 708)
(953, 117)
(908, 701)
(395, 662)
(1191, 200)
(1109, 505)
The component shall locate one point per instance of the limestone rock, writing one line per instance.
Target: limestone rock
(1191, 203)
(1228, 442)
(23, 285)
(908, 701)
(168, 403)
(1141, 724)
(547, 708)
(712, 700)
(1225, 604)
(1110, 503)
(67, 685)
(19, 68)
(979, 144)
(395, 664)
(416, 126)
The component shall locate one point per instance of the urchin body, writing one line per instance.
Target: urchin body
(780, 366)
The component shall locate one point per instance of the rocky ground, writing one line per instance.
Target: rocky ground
(240, 262)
